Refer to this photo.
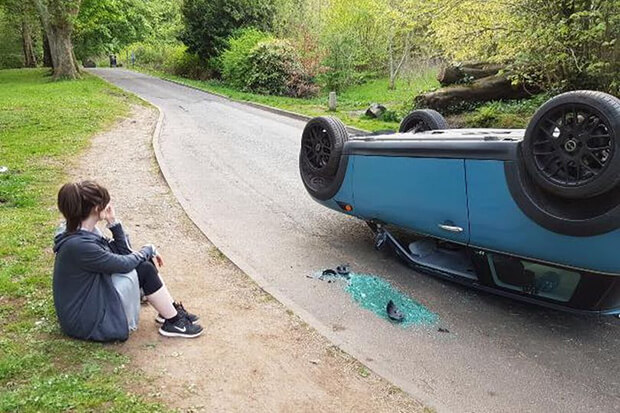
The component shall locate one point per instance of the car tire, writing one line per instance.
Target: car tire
(321, 145)
(422, 120)
(572, 145)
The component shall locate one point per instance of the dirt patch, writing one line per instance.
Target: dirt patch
(256, 355)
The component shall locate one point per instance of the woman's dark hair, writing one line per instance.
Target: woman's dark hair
(76, 201)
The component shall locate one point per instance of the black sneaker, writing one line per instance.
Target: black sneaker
(182, 313)
(181, 328)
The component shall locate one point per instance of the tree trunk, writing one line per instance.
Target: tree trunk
(452, 74)
(30, 59)
(391, 51)
(47, 54)
(61, 50)
(56, 17)
(481, 90)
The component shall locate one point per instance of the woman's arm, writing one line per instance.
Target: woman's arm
(93, 257)
(119, 243)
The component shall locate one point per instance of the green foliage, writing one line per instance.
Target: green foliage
(355, 43)
(182, 63)
(301, 23)
(43, 125)
(234, 62)
(209, 23)
(11, 54)
(15, 16)
(165, 21)
(557, 45)
(107, 26)
(568, 45)
(273, 67)
(514, 114)
(171, 58)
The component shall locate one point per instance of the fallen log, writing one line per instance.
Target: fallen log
(482, 90)
(452, 74)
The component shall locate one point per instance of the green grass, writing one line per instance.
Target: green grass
(511, 114)
(351, 102)
(44, 126)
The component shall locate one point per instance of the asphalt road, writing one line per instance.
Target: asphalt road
(234, 168)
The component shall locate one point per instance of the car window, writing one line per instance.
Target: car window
(537, 279)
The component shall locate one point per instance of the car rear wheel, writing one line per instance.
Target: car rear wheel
(422, 120)
(321, 145)
(321, 164)
(572, 145)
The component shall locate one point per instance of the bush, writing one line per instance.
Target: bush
(180, 62)
(150, 55)
(273, 67)
(233, 63)
(169, 58)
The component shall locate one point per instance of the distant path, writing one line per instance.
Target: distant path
(234, 168)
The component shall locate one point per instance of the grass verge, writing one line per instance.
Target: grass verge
(352, 102)
(44, 125)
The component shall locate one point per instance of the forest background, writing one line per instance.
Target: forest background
(384, 51)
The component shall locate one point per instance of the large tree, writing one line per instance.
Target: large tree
(57, 17)
(209, 23)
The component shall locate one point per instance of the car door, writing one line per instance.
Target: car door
(426, 195)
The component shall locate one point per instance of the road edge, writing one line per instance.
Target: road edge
(266, 286)
(261, 106)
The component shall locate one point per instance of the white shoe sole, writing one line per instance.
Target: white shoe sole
(160, 320)
(182, 335)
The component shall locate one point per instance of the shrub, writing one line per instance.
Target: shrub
(233, 63)
(169, 58)
(180, 62)
(151, 55)
(274, 68)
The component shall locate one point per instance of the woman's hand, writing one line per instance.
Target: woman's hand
(159, 260)
(109, 214)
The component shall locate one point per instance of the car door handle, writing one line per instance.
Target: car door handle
(450, 227)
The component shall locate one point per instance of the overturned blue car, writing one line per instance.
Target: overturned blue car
(530, 214)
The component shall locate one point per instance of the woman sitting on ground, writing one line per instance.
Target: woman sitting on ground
(88, 303)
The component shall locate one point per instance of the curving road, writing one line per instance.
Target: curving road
(234, 169)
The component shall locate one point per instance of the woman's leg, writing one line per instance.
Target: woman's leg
(156, 293)
(176, 323)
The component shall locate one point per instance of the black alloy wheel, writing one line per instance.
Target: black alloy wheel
(572, 144)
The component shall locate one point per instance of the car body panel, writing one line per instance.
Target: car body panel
(497, 223)
(415, 193)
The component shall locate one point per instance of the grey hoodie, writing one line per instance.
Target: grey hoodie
(87, 304)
